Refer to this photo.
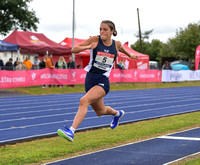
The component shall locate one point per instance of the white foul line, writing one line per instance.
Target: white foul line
(179, 138)
(168, 163)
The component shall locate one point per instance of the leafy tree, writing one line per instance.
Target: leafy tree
(150, 48)
(136, 46)
(166, 50)
(145, 47)
(155, 47)
(15, 14)
(145, 35)
(186, 41)
(182, 46)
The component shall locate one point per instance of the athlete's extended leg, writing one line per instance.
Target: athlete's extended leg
(93, 95)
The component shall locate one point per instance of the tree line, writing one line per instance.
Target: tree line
(181, 47)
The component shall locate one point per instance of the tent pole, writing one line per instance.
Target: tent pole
(73, 29)
(18, 53)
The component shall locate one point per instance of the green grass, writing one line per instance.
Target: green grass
(192, 162)
(41, 150)
(47, 149)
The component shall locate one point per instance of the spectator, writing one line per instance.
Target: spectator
(36, 63)
(49, 63)
(61, 64)
(27, 63)
(120, 65)
(42, 64)
(71, 64)
(15, 63)
(9, 65)
(167, 66)
(20, 66)
(1, 64)
(78, 66)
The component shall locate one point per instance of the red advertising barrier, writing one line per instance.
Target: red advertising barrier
(134, 75)
(14, 79)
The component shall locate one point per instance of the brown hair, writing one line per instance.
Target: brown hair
(111, 26)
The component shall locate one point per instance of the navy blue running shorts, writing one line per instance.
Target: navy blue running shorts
(96, 79)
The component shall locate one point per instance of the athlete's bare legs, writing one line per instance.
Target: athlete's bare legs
(93, 97)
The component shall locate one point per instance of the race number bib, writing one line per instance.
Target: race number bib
(104, 60)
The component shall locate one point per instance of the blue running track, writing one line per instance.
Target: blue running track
(26, 117)
(159, 151)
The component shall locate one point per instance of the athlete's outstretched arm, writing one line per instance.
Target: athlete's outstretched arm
(123, 50)
(90, 43)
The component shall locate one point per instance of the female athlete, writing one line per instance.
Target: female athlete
(102, 57)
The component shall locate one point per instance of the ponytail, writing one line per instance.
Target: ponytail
(115, 33)
(111, 25)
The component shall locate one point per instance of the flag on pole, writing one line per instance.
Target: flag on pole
(197, 55)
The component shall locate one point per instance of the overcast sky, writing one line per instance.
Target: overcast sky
(164, 16)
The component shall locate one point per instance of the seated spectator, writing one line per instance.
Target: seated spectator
(78, 66)
(27, 63)
(20, 66)
(9, 65)
(167, 66)
(120, 65)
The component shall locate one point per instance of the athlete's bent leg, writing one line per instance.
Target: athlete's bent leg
(100, 109)
(93, 95)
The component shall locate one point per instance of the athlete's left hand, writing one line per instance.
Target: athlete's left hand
(134, 56)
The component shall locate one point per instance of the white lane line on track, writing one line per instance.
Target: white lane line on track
(64, 99)
(61, 99)
(168, 163)
(94, 117)
(122, 146)
(69, 113)
(179, 138)
(74, 112)
(41, 124)
(28, 107)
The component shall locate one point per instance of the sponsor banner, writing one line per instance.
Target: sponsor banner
(134, 75)
(182, 75)
(14, 79)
